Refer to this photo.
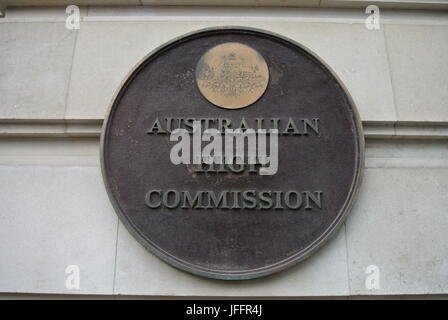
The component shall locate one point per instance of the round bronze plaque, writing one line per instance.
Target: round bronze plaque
(230, 221)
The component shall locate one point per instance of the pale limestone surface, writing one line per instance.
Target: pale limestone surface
(300, 3)
(50, 218)
(419, 68)
(383, 4)
(104, 55)
(399, 223)
(77, 2)
(35, 63)
(413, 4)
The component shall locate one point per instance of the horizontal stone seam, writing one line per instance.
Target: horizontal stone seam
(92, 128)
(433, 4)
(214, 19)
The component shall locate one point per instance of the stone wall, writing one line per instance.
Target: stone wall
(56, 84)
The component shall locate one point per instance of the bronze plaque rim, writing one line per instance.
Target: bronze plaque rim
(269, 269)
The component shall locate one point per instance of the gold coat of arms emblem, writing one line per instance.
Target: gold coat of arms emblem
(232, 75)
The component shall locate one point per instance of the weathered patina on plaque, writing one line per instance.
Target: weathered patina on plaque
(232, 75)
(227, 220)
